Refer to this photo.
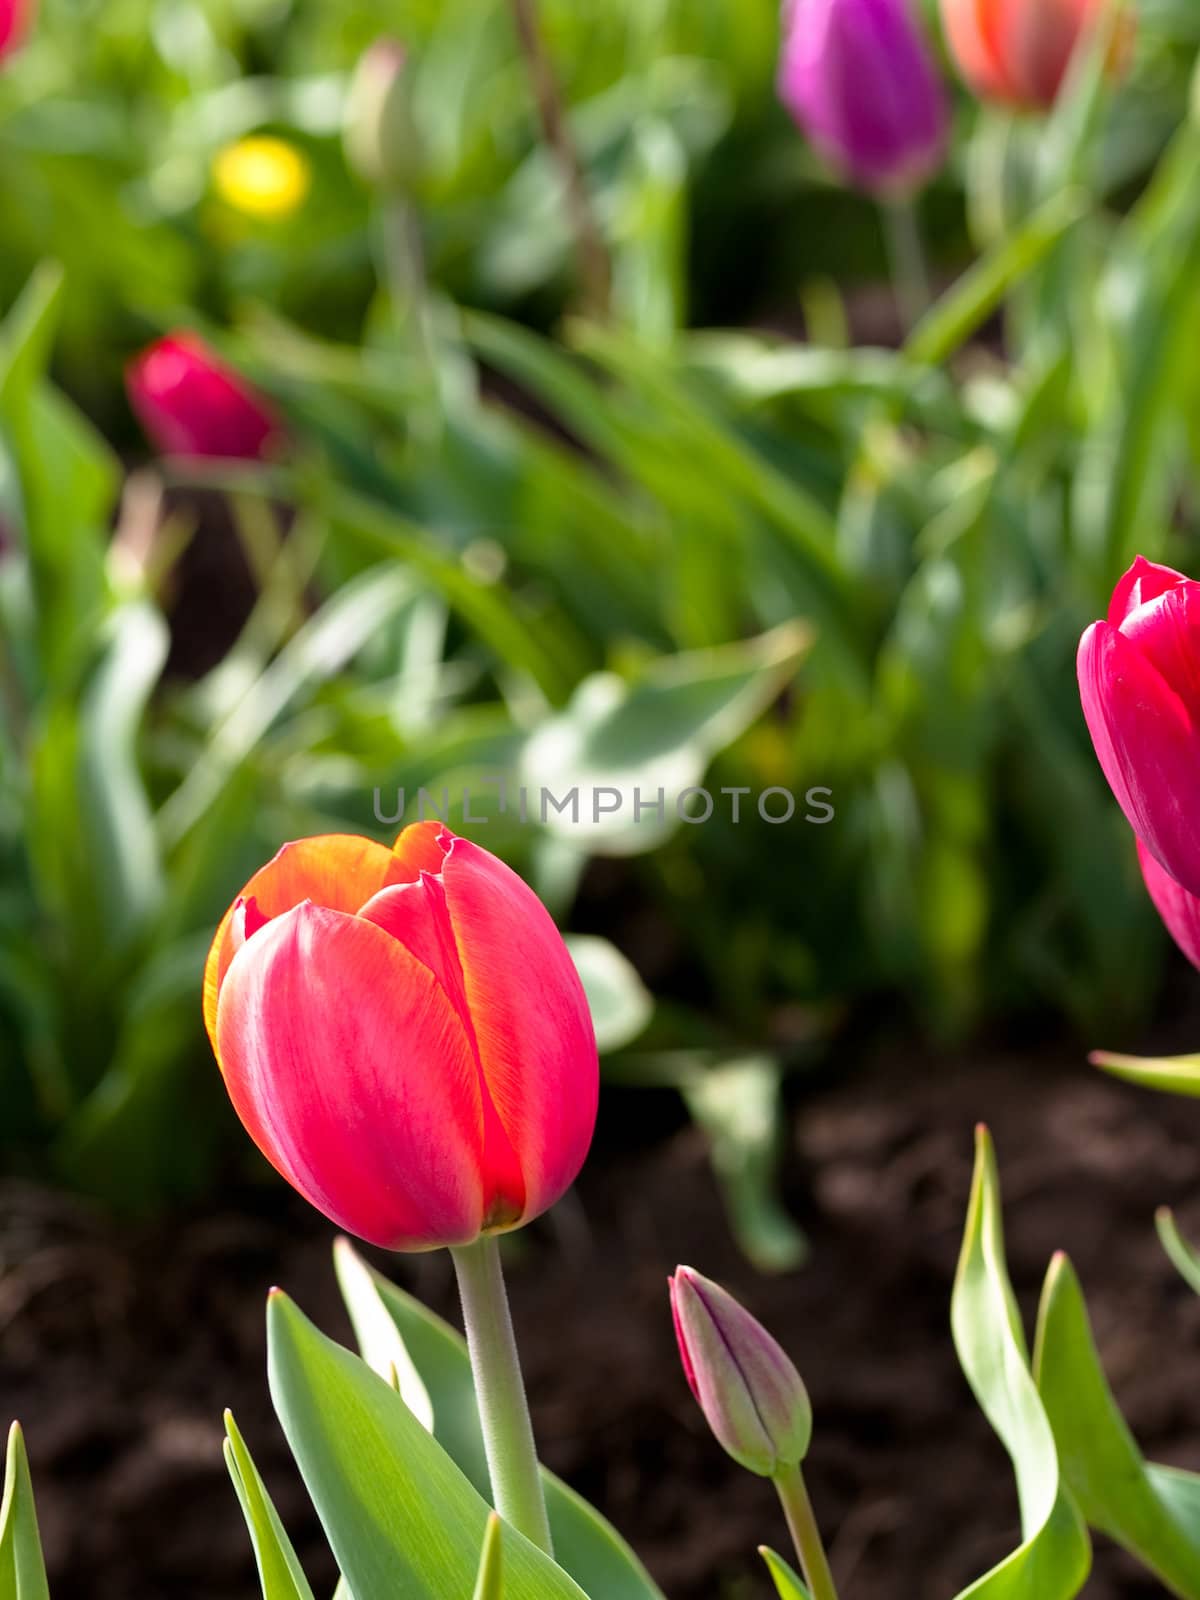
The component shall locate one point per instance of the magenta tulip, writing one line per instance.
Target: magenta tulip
(404, 1036)
(16, 18)
(1139, 679)
(860, 79)
(1178, 909)
(192, 404)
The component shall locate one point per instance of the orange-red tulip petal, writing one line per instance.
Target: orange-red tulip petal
(404, 1035)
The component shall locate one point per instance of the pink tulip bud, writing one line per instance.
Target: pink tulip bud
(750, 1393)
(192, 404)
(1178, 909)
(1139, 680)
(405, 1036)
(859, 78)
(381, 139)
(1018, 51)
(16, 19)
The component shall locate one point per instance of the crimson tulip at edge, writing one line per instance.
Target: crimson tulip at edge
(193, 404)
(404, 1035)
(860, 80)
(1139, 681)
(1179, 910)
(1018, 51)
(16, 18)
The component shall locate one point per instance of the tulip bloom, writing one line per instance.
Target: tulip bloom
(192, 404)
(405, 1036)
(1139, 680)
(752, 1397)
(1018, 51)
(262, 177)
(16, 17)
(859, 78)
(1178, 909)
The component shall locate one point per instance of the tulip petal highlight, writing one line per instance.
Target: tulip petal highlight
(328, 1031)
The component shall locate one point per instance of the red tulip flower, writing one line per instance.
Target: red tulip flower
(192, 404)
(1139, 679)
(16, 18)
(1018, 51)
(405, 1036)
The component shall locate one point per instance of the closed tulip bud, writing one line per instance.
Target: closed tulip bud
(1178, 909)
(16, 18)
(192, 404)
(404, 1035)
(859, 78)
(750, 1393)
(380, 136)
(1018, 51)
(1139, 680)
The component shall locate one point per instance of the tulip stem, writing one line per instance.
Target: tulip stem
(906, 254)
(802, 1523)
(500, 1391)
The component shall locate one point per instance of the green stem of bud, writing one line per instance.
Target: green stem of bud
(595, 268)
(806, 1536)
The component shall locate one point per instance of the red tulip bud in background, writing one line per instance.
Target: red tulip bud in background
(191, 403)
(859, 78)
(1139, 680)
(16, 18)
(1018, 51)
(752, 1396)
(405, 1036)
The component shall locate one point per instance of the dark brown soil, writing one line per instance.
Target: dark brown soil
(119, 1352)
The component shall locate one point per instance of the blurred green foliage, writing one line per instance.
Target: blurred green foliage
(636, 552)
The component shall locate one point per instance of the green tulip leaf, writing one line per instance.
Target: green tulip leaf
(1184, 1257)
(594, 771)
(620, 1002)
(379, 1341)
(22, 1570)
(786, 1581)
(279, 1570)
(1170, 1074)
(1101, 1463)
(400, 1517)
(1053, 1561)
(585, 1544)
(489, 1585)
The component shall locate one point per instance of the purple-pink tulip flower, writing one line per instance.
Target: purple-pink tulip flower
(1139, 680)
(1178, 909)
(860, 79)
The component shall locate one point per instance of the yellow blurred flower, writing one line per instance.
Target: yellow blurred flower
(262, 177)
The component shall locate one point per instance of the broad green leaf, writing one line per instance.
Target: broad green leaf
(958, 314)
(489, 1585)
(1184, 1257)
(279, 1570)
(22, 1569)
(612, 771)
(1054, 1559)
(738, 1105)
(379, 1341)
(1171, 1074)
(621, 1004)
(1101, 1462)
(585, 1544)
(400, 1517)
(785, 1579)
